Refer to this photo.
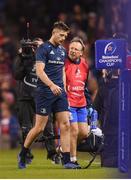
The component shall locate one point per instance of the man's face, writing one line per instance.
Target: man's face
(59, 36)
(75, 51)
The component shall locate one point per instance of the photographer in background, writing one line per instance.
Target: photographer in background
(24, 73)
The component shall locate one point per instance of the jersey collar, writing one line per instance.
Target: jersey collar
(75, 62)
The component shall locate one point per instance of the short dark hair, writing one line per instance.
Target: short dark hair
(61, 25)
(77, 39)
(37, 39)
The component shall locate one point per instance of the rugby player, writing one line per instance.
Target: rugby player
(50, 93)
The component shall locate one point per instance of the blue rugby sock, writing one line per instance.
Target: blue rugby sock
(66, 157)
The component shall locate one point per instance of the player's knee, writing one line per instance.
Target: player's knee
(83, 134)
(74, 131)
(65, 125)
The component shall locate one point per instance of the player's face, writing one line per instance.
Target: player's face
(59, 36)
(75, 51)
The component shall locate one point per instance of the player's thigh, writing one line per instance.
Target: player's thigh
(60, 104)
(83, 129)
(62, 117)
(43, 104)
(82, 115)
(73, 115)
(74, 129)
(73, 121)
(82, 121)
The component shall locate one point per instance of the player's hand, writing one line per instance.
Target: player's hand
(55, 89)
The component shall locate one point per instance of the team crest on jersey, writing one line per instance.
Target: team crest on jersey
(43, 110)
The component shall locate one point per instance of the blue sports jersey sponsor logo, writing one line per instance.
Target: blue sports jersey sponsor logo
(55, 62)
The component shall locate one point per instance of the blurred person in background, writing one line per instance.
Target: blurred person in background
(91, 27)
(5, 70)
(4, 121)
(7, 93)
(3, 38)
(9, 126)
(9, 123)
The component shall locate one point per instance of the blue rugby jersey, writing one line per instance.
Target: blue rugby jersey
(54, 59)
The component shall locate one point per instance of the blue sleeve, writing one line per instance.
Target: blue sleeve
(66, 57)
(41, 54)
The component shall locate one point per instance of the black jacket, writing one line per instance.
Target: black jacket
(106, 103)
(25, 74)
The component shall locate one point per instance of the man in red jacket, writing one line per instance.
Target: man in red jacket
(77, 71)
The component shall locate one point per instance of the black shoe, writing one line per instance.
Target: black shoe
(29, 157)
(56, 159)
(21, 162)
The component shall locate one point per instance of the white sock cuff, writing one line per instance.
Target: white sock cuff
(73, 159)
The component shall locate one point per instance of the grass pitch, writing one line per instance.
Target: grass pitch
(41, 168)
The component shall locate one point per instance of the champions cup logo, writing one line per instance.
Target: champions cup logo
(110, 53)
(110, 49)
(109, 57)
